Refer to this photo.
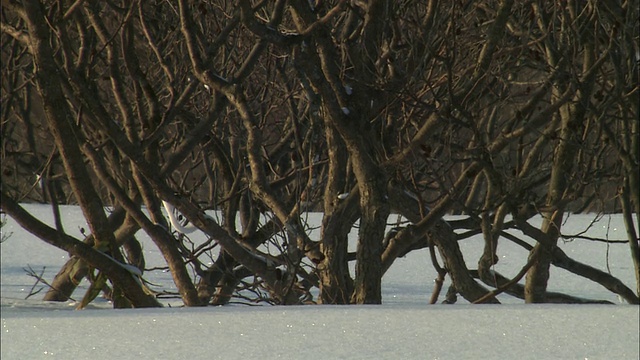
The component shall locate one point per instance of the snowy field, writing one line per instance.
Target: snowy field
(404, 327)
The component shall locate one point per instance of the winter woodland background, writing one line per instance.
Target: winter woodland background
(320, 153)
(213, 129)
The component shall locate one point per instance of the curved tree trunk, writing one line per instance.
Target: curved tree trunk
(441, 234)
(336, 285)
(59, 119)
(572, 118)
(74, 270)
(121, 278)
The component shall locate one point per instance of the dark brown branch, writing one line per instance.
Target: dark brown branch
(114, 270)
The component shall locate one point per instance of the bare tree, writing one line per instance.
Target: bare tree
(262, 111)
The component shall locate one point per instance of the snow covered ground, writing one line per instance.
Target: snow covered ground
(404, 327)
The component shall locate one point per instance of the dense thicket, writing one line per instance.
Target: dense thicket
(361, 110)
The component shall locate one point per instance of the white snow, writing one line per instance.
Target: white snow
(403, 327)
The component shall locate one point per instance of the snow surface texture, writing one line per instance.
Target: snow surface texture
(404, 327)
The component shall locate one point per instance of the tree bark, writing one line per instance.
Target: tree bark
(336, 285)
(441, 234)
(74, 270)
(120, 277)
(59, 119)
(572, 116)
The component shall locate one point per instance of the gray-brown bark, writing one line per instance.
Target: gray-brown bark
(265, 109)
(442, 235)
(59, 119)
(336, 285)
(572, 118)
(120, 277)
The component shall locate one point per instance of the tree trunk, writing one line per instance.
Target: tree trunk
(441, 234)
(572, 116)
(120, 277)
(374, 210)
(59, 119)
(336, 285)
(74, 270)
